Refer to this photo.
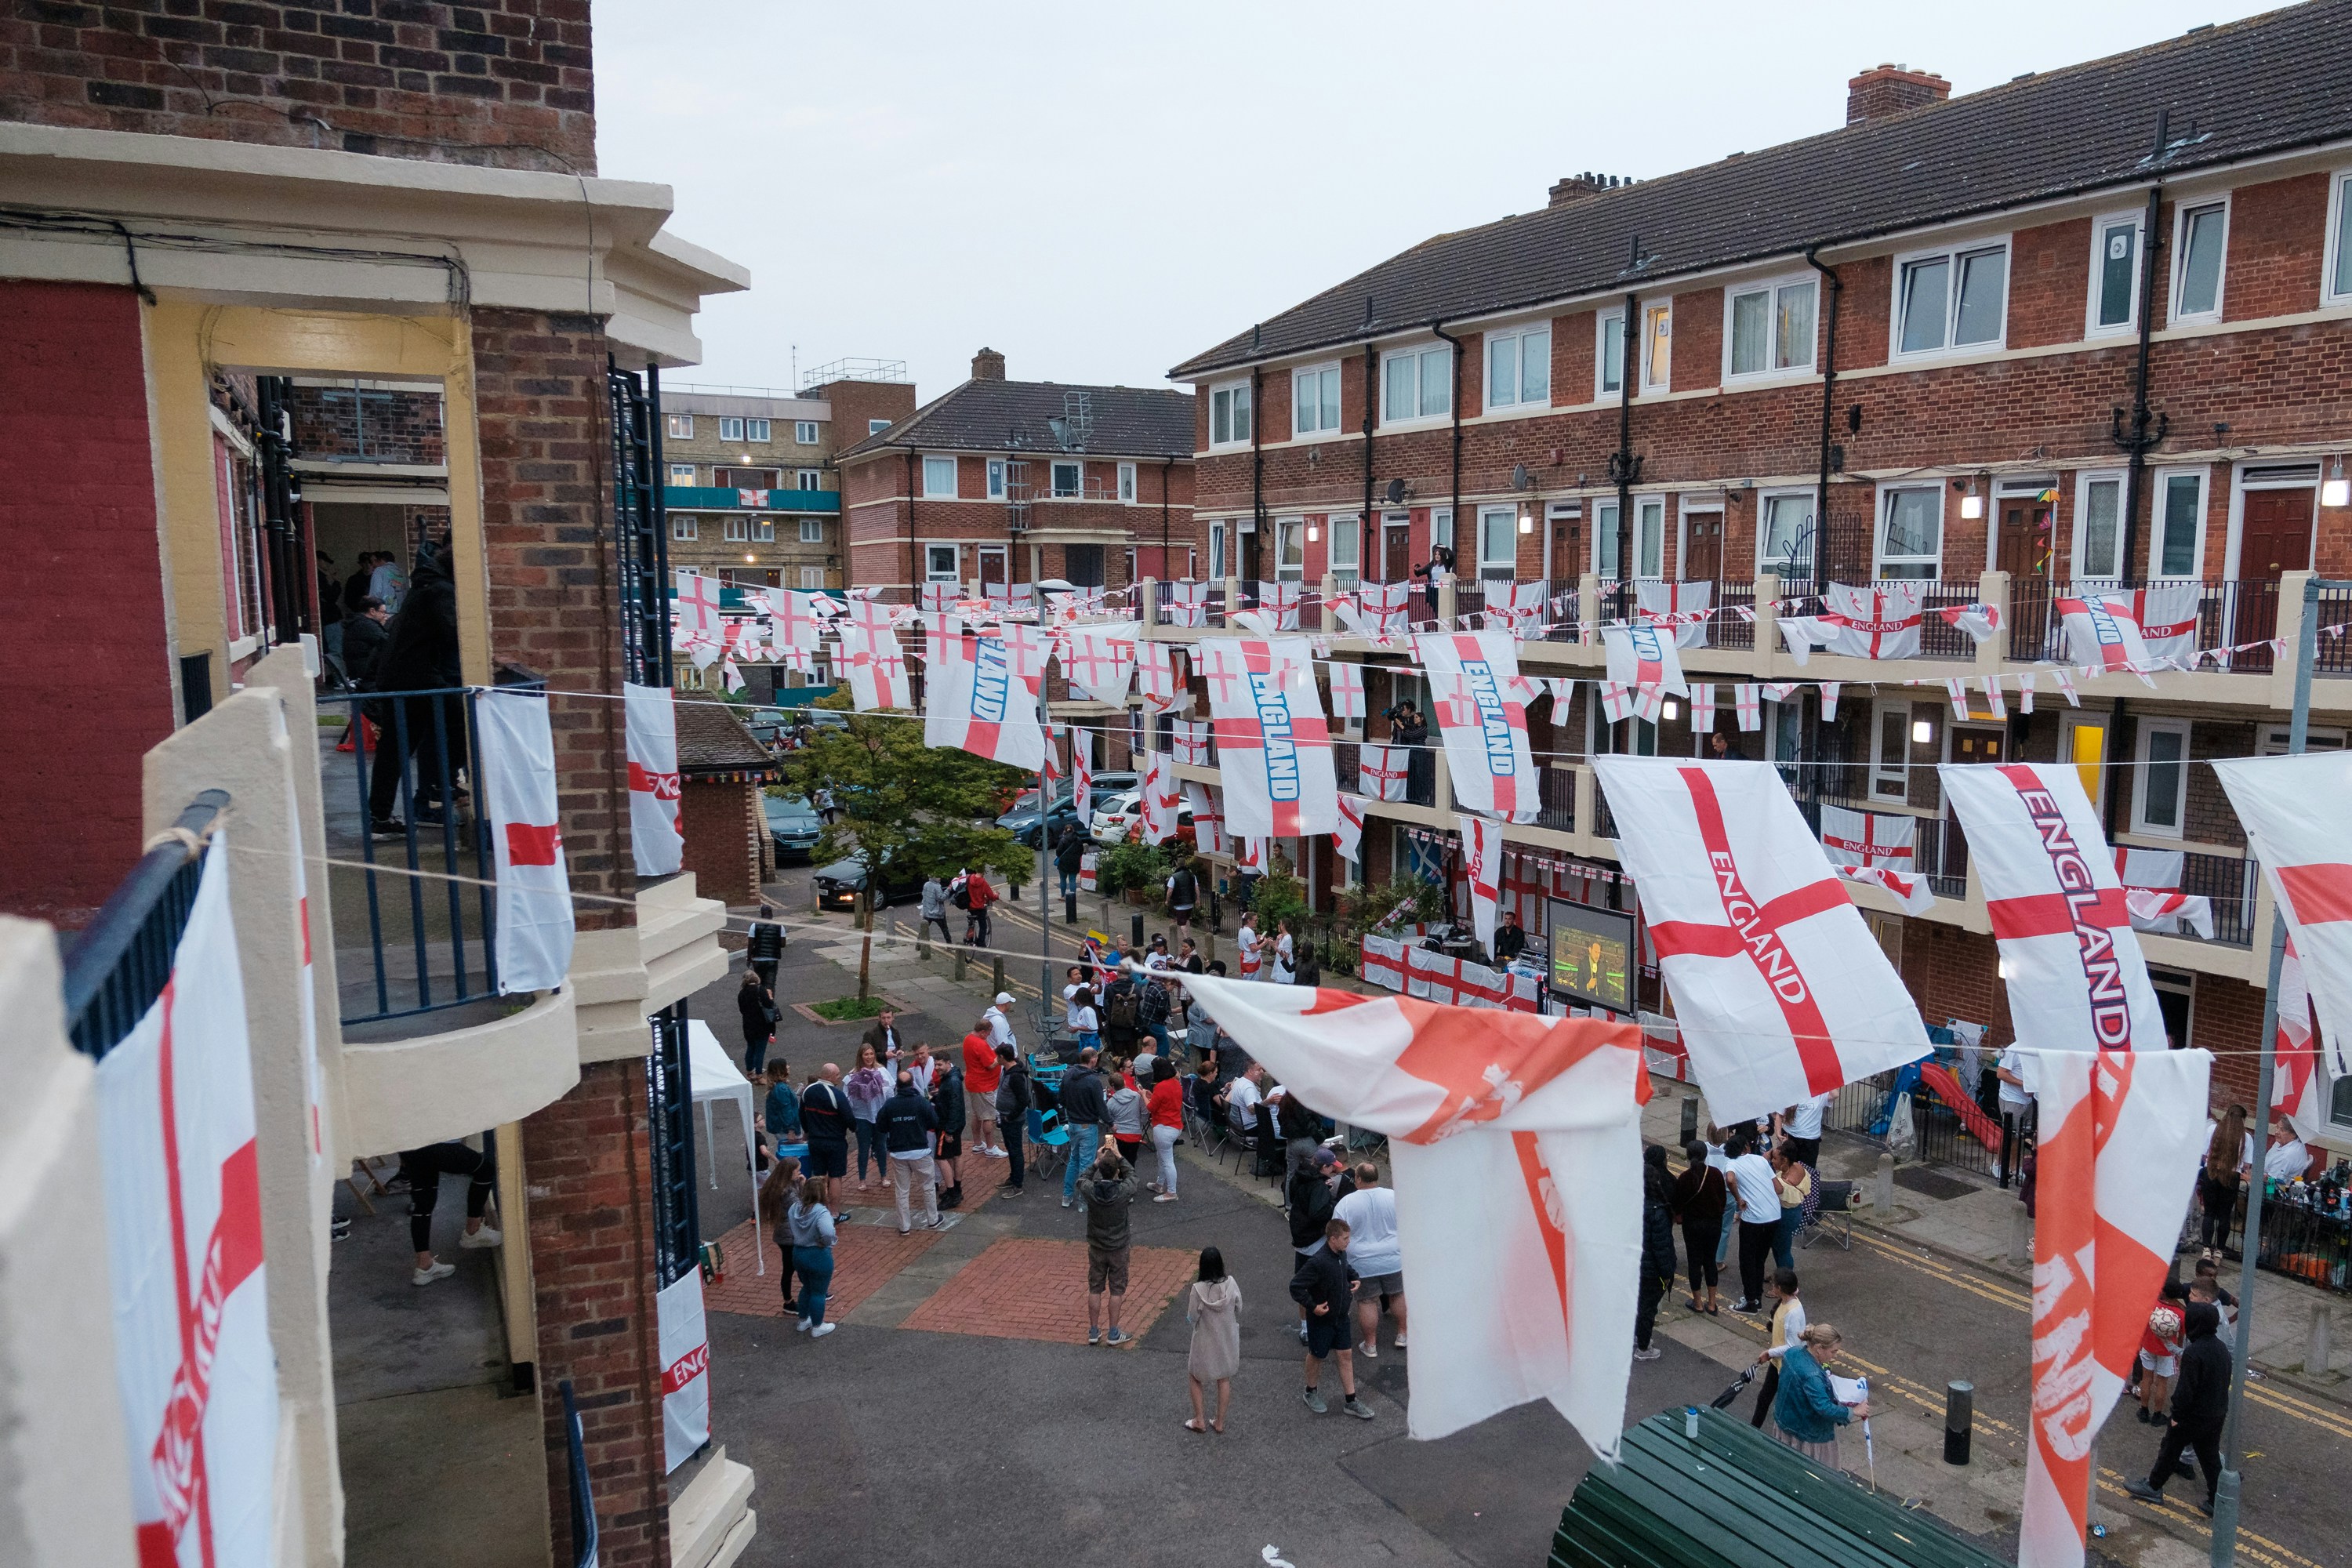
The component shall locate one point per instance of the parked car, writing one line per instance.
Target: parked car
(1122, 815)
(838, 885)
(1021, 820)
(793, 825)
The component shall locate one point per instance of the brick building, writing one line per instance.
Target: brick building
(1908, 347)
(721, 767)
(286, 280)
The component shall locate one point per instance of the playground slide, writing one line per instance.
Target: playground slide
(1938, 1076)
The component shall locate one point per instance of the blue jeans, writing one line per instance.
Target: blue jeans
(815, 1264)
(869, 1141)
(1082, 1143)
(1069, 884)
(1784, 1237)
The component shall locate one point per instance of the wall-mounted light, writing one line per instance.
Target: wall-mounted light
(1673, 710)
(1971, 503)
(2007, 971)
(1922, 731)
(2335, 490)
(749, 556)
(1314, 532)
(746, 458)
(1527, 521)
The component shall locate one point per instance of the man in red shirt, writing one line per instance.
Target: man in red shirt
(978, 896)
(981, 1075)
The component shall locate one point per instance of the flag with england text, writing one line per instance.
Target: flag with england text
(1484, 723)
(685, 1340)
(2292, 808)
(1274, 745)
(1867, 837)
(535, 919)
(1642, 658)
(2102, 636)
(650, 717)
(1384, 772)
(1880, 620)
(1461, 653)
(975, 701)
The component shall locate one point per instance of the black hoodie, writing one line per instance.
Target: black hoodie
(420, 649)
(2200, 1399)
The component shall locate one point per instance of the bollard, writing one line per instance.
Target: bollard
(958, 961)
(2314, 1349)
(2020, 1234)
(1959, 1417)
(1069, 909)
(1135, 929)
(1690, 1120)
(2007, 1150)
(1882, 1191)
(996, 976)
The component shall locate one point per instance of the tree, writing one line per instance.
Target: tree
(904, 806)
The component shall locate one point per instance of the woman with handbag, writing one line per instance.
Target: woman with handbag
(757, 1005)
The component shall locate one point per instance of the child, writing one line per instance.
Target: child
(1323, 1286)
(1214, 1311)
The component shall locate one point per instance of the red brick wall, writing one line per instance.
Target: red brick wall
(395, 426)
(79, 513)
(2049, 277)
(854, 403)
(2277, 230)
(724, 828)
(539, 385)
(591, 1183)
(502, 82)
(1698, 340)
(2227, 1019)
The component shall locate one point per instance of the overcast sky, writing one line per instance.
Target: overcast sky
(1100, 191)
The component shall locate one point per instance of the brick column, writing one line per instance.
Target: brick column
(589, 1170)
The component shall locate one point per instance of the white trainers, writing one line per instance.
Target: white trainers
(485, 1236)
(1399, 1341)
(1165, 1198)
(802, 1327)
(822, 1330)
(426, 1275)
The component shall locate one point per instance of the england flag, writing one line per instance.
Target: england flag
(651, 719)
(877, 669)
(2101, 634)
(2290, 808)
(1274, 745)
(1383, 772)
(1155, 664)
(1680, 606)
(535, 922)
(1100, 660)
(1484, 723)
(975, 701)
(1642, 658)
(1881, 621)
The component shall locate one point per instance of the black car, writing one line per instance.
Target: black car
(838, 885)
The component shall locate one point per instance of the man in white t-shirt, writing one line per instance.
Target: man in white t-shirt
(2016, 1099)
(2288, 1156)
(1753, 1184)
(1801, 1128)
(1242, 1097)
(1375, 1254)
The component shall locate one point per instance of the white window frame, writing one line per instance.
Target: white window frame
(2334, 257)
(1422, 354)
(1603, 321)
(1298, 405)
(932, 571)
(730, 429)
(1879, 559)
(2163, 478)
(1952, 253)
(1649, 521)
(1603, 507)
(876, 426)
(1764, 500)
(808, 479)
(763, 530)
(1651, 382)
(1882, 771)
(758, 431)
(1078, 490)
(2144, 772)
(684, 526)
(812, 578)
(1127, 493)
(1519, 338)
(737, 530)
(1217, 550)
(681, 476)
(1510, 560)
(1289, 533)
(681, 427)
(996, 478)
(930, 474)
(2174, 315)
(1239, 412)
(1441, 531)
(804, 432)
(2091, 327)
(2243, 480)
(2077, 570)
(811, 531)
(1772, 288)
(1351, 528)
(2275, 739)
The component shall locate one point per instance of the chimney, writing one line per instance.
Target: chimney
(1891, 90)
(988, 365)
(1574, 187)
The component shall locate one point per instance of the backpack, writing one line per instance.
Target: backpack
(1122, 1010)
(961, 896)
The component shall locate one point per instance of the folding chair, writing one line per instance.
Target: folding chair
(1832, 1217)
(1051, 1141)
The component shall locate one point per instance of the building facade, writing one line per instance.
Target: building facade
(2083, 347)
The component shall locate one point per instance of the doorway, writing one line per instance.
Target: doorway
(1972, 744)
(1249, 552)
(2273, 537)
(1703, 547)
(992, 559)
(2023, 548)
(1396, 549)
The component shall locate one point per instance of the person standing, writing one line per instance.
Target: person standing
(355, 586)
(998, 1026)
(763, 948)
(1309, 1197)
(884, 1037)
(1084, 1113)
(2160, 1344)
(868, 1087)
(1407, 728)
(423, 1168)
(2201, 1405)
(1214, 1311)
(1377, 1256)
(1012, 1113)
(981, 1076)
(1068, 854)
(825, 1121)
(947, 1096)
(363, 640)
(1800, 1129)
(1285, 952)
(2217, 1184)
(1657, 1251)
(1697, 1200)
(905, 1124)
(1086, 1024)
(1165, 1105)
(780, 1109)
(1183, 897)
(1793, 1183)
(1248, 942)
(1321, 1287)
(1805, 1413)
(935, 907)
(810, 1221)
(1757, 1190)
(773, 1206)
(1788, 1325)
(420, 655)
(1109, 1190)
(1123, 1103)
(757, 1005)
(2016, 1102)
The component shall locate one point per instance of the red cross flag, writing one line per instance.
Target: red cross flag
(1347, 691)
(535, 925)
(1100, 660)
(2120, 1137)
(1188, 603)
(1208, 818)
(1866, 837)
(1280, 601)
(2102, 636)
(1012, 601)
(1680, 606)
(1905, 889)
(1781, 990)
(1155, 664)
(1616, 702)
(798, 623)
(685, 1340)
(652, 723)
(2300, 1090)
(938, 598)
(1746, 703)
(2292, 809)
(1484, 723)
(698, 605)
(1516, 608)
(194, 1364)
(1191, 739)
(1703, 708)
(1026, 650)
(1881, 621)
(1249, 854)
(1381, 772)
(1643, 657)
(1462, 653)
(2152, 895)
(1482, 870)
(1830, 689)
(1160, 797)
(1981, 622)
(974, 701)
(877, 669)
(2076, 978)
(1347, 838)
(2165, 614)
(1082, 777)
(1274, 745)
(1515, 1144)
(1378, 611)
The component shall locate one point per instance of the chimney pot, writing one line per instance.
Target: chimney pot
(988, 365)
(1890, 88)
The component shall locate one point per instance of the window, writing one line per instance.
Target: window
(876, 426)
(1499, 539)
(809, 479)
(1347, 550)
(996, 478)
(1290, 550)
(682, 526)
(1518, 367)
(1229, 415)
(1417, 384)
(812, 577)
(1771, 328)
(2160, 804)
(804, 432)
(681, 427)
(1958, 298)
(1069, 480)
(2098, 527)
(811, 531)
(1126, 483)
(2114, 274)
(1440, 526)
(1890, 751)
(681, 474)
(1217, 551)
(1657, 345)
(1609, 354)
(2197, 250)
(1784, 534)
(2275, 738)
(757, 430)
(739, 529)
(2337, 282)
(2180, 525)
(1911, 532)
(939, 563)
(730, 427)
(744, 479)
(1650, 537)
(1604, 537)
(1314, 400)
(940, 477)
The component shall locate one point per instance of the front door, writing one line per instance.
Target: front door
(2273, 537)
(1396, 550)
(1970, 744)
(1702, 559)
(991, 564)
(2023, 551)
(1249, 562)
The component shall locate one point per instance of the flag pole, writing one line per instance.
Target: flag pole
(2227, 1490)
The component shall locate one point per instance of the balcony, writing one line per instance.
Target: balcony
(707, 497)
(1558, 794)
(2228, 615)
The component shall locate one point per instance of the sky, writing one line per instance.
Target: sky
(1100, 191)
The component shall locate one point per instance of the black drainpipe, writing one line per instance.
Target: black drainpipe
(1828, 395)
(2137, 442)
(1372, 392)
(1257, 472)
(1625, 468)
(1455, 345)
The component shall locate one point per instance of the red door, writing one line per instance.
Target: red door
(1396, 552)
(1704, 562)
(2274, 537)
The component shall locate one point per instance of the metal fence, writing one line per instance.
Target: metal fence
(2239, 615)
(1865, 1109)
(1939, 639)
(1557, 786)
(121, 961)
(2231, 883)
(2299, 1237)
(1731, 630)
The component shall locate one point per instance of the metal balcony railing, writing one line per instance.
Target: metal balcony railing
(121, 961)
(1557, 794)
(2239, 614)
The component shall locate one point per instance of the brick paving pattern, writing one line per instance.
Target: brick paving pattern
(865, 1257)
(1033, 1288)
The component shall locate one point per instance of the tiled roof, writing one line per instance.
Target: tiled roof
(1031, 416)
(711, 739)
(2268, 84)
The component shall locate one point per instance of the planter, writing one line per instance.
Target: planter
(813, 1016)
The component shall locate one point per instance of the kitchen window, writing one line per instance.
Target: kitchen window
(730, 427)
(804, 432)
(681, 474)
(1954, 300)
(2160, 804)
(1657, 346)
(2115, 275)
(1229, 415)
(939, 478)
(1417, 384)
(2180, 524)
(681, 427)
(2197, 248)
(1771, 328)
(1890, 752)
(1784, 534)
(1609, 354)
(1911, 532)
(1518, 367)
(1498, 540)
(939, 563)
(811, 531)
(2098, 527)
(1290, 550)
(808, 479)
(682, 526)
(1314, 400)
(1069, 480)
(756, 431)
(1126, 483)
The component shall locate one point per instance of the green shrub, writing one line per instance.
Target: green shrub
(1131, 864)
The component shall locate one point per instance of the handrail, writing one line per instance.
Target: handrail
(123, 959)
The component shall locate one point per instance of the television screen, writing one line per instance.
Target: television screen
(1592, 955)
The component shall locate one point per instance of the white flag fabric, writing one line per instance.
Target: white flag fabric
(1347, 691)
(1482, 868)
(1082, 777)
(697, 605)
(1463, 652)
(1161, 796)
(1249, 857)
(1382, 773)
(651, 719)
(1208, 818)
(1880, 621)
(1516, 608)
(2167, 614)
(877, 669)
(1279, 603)
(1680, 606)
(938, 598)
(1274, 745)
(2120, 1136)
(1781, 990)
(2102, 636)
(1905, 888)
(2077, 979)
(800, 616)
(1378, 611)
(1190, 737)
(1616, 702)
(2293, 811)
(1155, 663)
(1981, 622)
(1347, 838)
(1993, 699)
(1746, 705)
(973, 701)
(1830, 689)
(1644, 656)
(1484, 723)
(1100, 660)
(1515, 1141)
(1187, 605)
(535, 923)
(1702, 702)
(2299, 1090)
(1867, 837)
(193, 1365)
(686, 1368)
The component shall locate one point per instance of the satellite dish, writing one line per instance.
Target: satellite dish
(1395, 491)
(1519, 476)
